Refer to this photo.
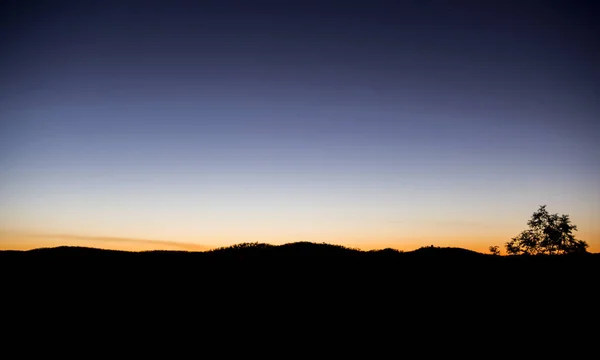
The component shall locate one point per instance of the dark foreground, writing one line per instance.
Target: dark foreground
(298, 270)
(315, 288)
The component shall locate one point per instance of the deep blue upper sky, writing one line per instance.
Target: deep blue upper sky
(256, 104)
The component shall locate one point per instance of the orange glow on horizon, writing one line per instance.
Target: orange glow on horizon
(28, 241)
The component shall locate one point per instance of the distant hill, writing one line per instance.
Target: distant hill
(286, 255)
(292, 282)
(295, 249)
(305, 250)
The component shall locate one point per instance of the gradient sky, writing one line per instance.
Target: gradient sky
(139, 124)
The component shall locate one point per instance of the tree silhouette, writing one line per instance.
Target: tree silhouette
(495, 250)
(547, 234)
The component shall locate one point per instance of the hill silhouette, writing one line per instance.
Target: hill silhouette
(298, 258)
(302, 249)
(296, 287)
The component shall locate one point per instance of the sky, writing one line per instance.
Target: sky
(190, 125)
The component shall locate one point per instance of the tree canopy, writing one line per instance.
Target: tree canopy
(547, 234)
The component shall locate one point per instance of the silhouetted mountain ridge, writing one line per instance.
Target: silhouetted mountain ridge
(301, 248)
(295, 273)
(297, 255)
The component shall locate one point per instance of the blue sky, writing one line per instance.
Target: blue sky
(366, 124)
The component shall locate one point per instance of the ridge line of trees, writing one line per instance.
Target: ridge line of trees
(548, 234)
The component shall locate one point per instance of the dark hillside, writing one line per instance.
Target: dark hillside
(297, 287)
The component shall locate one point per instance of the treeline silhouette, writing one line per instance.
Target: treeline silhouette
(313, 262)
(291, 289)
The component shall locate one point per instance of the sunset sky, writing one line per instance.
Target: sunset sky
(188, 125)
